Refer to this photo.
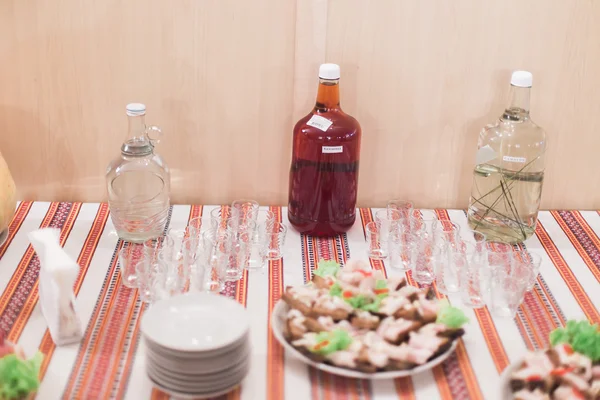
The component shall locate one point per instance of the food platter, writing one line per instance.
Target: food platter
(278, 326)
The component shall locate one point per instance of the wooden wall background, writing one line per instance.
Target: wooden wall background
(227, 79)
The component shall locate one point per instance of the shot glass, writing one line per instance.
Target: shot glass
(129, 256)
(404, 207)
(272, 237)
(194, 228)
(477, 239)
(245, 210)
(447, 268)
(217, 251)
(160, 244)
(399, 250)
(446, 232)
(475, 276)
(425, 254)
(378, 242)
(527, 265)
(219, 217)
(507, 292)
(152, 276)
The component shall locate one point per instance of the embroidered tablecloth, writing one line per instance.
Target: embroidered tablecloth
(109, 361)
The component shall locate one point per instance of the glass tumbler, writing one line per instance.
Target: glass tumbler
(475, 275)
(404, 207)
(217, 247)
(424, 255)
(527, 265)
(272, 237)
(378, 242)
(219, 217)
(245, 210)
(507, 292)
(447, 232)
(129, 256)
(152, 277)
(399, 248)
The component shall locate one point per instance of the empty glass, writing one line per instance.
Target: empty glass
(400, 244)
(154, 246)
(195, 227)
(475, 238)
(220, 216)
(377, 239)
(527, 265)
(424, 255)
(129, 256)
(152, 276)
(217, 250)
(447, 232)
(475, 275)
(507, 291)
(272, 236)
(500, 256)
(404, 207)
(245, 210)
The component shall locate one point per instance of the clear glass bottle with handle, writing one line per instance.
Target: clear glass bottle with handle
(509, 171)
(139, 182)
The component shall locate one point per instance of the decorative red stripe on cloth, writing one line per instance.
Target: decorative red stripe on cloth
(565, 272)
(15, 224)
(323, 384)
(583, 238)
(20, 295)
(84, 260)
(275, 352)
(103, 363)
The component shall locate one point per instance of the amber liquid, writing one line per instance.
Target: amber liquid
(323, 186)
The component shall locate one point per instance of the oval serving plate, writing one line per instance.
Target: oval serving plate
(279, 313)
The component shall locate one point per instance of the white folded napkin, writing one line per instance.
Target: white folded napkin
(58, 272)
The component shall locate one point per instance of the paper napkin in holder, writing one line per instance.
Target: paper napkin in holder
(58, 272)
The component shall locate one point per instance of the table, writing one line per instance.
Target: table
(109, 361)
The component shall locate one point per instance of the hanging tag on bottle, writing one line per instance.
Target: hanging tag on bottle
(319, 122)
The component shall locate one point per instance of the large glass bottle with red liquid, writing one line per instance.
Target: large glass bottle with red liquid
(324, 170)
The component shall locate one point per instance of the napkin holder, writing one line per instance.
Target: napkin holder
(58, 272)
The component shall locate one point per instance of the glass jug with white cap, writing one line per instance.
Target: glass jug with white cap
(139, 182)
(509, 170)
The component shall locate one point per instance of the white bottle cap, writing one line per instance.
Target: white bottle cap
(521, 79)
(329, 71)
(136, 109)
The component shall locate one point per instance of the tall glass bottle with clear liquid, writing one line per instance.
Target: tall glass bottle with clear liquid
(139, 182)
(324, 170)
(509, 171)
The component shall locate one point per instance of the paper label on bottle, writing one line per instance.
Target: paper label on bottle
(514, 159)
(333, 149)
(319, 122)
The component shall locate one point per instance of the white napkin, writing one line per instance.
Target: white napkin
(58, 272)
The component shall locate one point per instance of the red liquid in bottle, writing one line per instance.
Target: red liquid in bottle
(324, 170)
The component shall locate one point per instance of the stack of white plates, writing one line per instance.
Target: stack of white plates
(197, 345)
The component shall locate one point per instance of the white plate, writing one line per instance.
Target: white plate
(192, 396)
(279, 316)
(195, 322)
(223, 381)
(198, 368)
(203, 378)
(505, 391)
(197, 355)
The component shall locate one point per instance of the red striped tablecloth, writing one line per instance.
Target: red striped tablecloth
(109, 361)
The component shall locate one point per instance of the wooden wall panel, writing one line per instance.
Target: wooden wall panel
(216, 75)
(423, 78)
(227, 79)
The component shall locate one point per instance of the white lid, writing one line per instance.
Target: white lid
(329, 71)
(135, 109)
(521, 79)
